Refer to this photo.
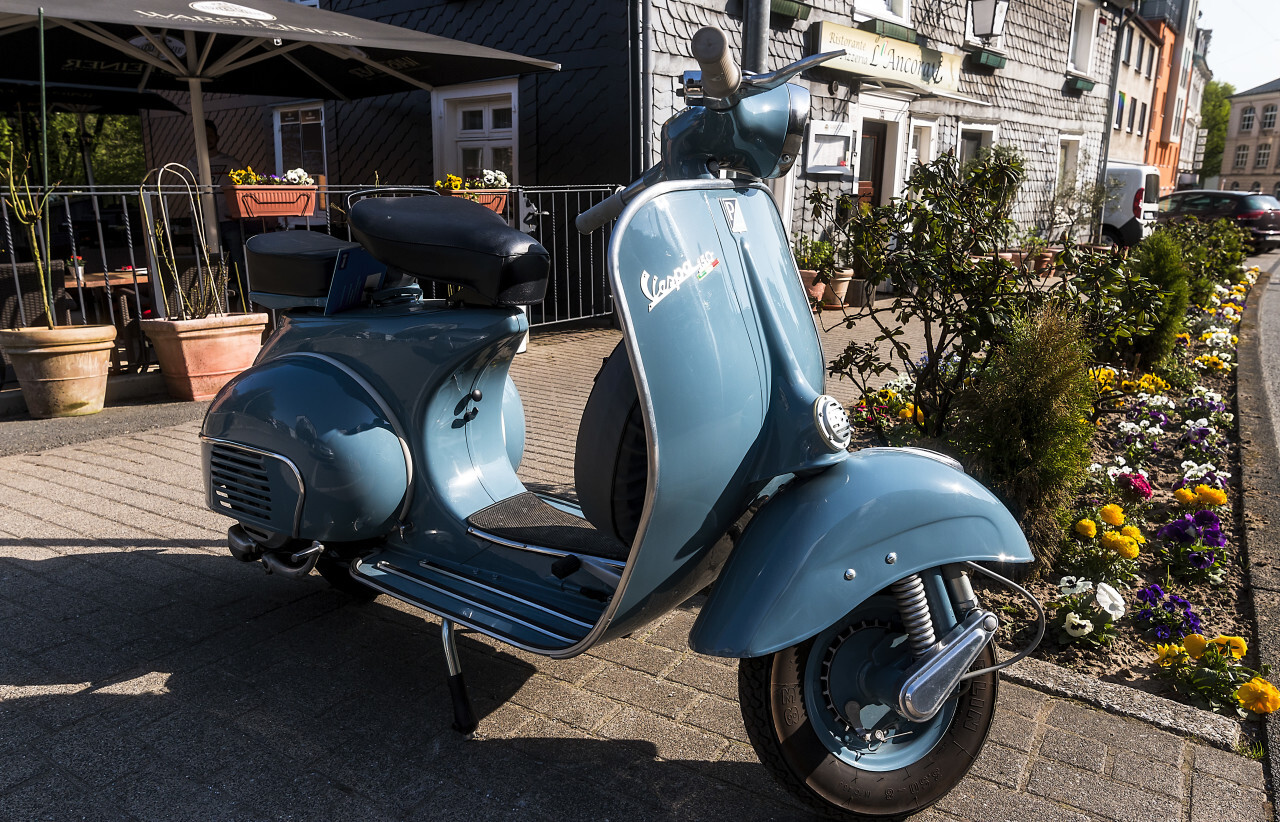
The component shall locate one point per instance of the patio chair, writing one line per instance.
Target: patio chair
(20, 302)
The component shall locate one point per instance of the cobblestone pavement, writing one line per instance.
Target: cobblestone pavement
(144, 674)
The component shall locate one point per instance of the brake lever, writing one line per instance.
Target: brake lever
(773, 79)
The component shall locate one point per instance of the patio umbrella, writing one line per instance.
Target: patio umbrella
(270, 47)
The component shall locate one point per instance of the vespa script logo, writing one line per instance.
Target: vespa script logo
(657, 290)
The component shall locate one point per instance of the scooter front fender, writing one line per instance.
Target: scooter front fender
(882, 514)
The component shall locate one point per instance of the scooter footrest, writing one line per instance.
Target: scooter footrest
(528, 520)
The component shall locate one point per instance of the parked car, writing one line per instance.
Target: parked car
(1259, 213)
(1129, 213)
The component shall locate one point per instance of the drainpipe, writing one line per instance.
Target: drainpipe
(755, 40)
(1125, 16)
(646, 84)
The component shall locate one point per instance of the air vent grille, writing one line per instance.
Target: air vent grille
(240, 483)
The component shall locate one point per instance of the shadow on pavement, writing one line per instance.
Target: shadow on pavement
(164, 682)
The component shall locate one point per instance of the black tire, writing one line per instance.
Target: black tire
(337, 572)
(771, 690)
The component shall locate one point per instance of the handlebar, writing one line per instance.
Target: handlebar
(721, 76)
(600, 213)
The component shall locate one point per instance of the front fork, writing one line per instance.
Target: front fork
(938, 597)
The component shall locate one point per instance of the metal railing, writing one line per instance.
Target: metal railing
(98, 256)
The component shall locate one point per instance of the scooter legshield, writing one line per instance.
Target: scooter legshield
(882, 514)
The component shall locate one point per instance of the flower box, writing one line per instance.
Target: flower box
(269, 201)
(494, 199)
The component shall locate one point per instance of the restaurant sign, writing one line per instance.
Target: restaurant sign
(884, 58)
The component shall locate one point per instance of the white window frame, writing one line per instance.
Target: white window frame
(1268, 117)
(443, 98)
(991, 133)
(901, 12)
(279, 144)
(1262, 157)
(929, 130)
(1084, 24)
(1247, 116)
(1242, 157)
(895, 111)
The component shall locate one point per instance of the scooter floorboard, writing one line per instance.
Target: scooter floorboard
(471, 603)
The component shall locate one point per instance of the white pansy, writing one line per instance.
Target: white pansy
(1075, 626)
(1074, 585)
(1109, 600)
(1095, 468)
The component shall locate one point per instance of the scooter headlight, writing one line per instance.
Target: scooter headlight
(832, 422)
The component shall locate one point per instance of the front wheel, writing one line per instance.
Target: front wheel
(817, 732)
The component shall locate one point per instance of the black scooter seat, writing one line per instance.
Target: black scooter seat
(456, 241)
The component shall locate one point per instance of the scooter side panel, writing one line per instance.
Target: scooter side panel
(352, 464)
(787, 578)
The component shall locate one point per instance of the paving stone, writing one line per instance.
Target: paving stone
(1214, 799)
(667, 739)
(1157, 777)
(709, 677)
(720, 716)
(641, 656)
(1003, 766)
(977, 799)
(1096, 794)
(633, 688)
(51, 797)
(1230, 766)
(1111, 730)
(1024, 702)
(18, 763)
(1086, 754)
(559, 701)
(674, 632)
(1012, 731)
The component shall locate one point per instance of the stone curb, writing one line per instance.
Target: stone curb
(1260, 500)
(1219, 731)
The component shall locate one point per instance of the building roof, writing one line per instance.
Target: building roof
(1274, 85)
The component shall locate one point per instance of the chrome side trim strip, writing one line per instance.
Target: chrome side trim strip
(387, 568)
(539, 549)
(436, 569)
(297, 475)
(385, 409)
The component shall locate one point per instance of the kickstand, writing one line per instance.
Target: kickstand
(464, 719)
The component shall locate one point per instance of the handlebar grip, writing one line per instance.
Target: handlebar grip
(720, 74)
(600, 213)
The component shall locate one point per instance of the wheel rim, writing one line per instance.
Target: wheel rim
(833, 680)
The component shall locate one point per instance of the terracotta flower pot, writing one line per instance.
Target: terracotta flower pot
(269, 201)
(836, 289)
(815, 289)
(198, 357)
(62, 371)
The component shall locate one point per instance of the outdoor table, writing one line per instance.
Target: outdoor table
(101, 288)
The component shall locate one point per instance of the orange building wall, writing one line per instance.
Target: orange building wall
(1163, 156)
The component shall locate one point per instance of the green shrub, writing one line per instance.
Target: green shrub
(1158, 260)
(1112, 301)
(1212, 252)
(1025, 431)
(1228, 246)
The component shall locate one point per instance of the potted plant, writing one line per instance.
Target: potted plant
(815, 260)
(62, 369)
(489, 189)
(203, 343)
(292, 194)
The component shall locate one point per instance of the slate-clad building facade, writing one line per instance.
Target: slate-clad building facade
(916, 84)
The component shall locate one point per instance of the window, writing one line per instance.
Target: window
(1084, 23)
(300, 140)
(1128, 45)
(1177, 114)
(1256, 187)
(1277, 194)
(1246, 119)
(1151, 58)
(1242, 157)
(973, 139)
(1235, 186)
(1263, 156)
(1142, 50)
(897, 10)
(475, 129)
(921, 151)
(1268, 117)
(1142, 119)
(1119, 110)
(1133, 111)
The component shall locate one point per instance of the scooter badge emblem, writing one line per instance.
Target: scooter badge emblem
(657, 290)
(733, 215)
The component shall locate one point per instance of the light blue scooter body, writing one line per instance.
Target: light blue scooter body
(728, 363)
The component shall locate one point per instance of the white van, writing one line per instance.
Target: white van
(1133, 194)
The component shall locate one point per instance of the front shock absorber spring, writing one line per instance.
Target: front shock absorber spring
(913, 607)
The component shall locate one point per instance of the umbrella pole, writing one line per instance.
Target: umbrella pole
(202, 160)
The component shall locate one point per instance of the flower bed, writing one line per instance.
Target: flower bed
(1148, 587)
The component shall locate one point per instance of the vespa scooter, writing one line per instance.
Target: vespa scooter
(376, 441)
